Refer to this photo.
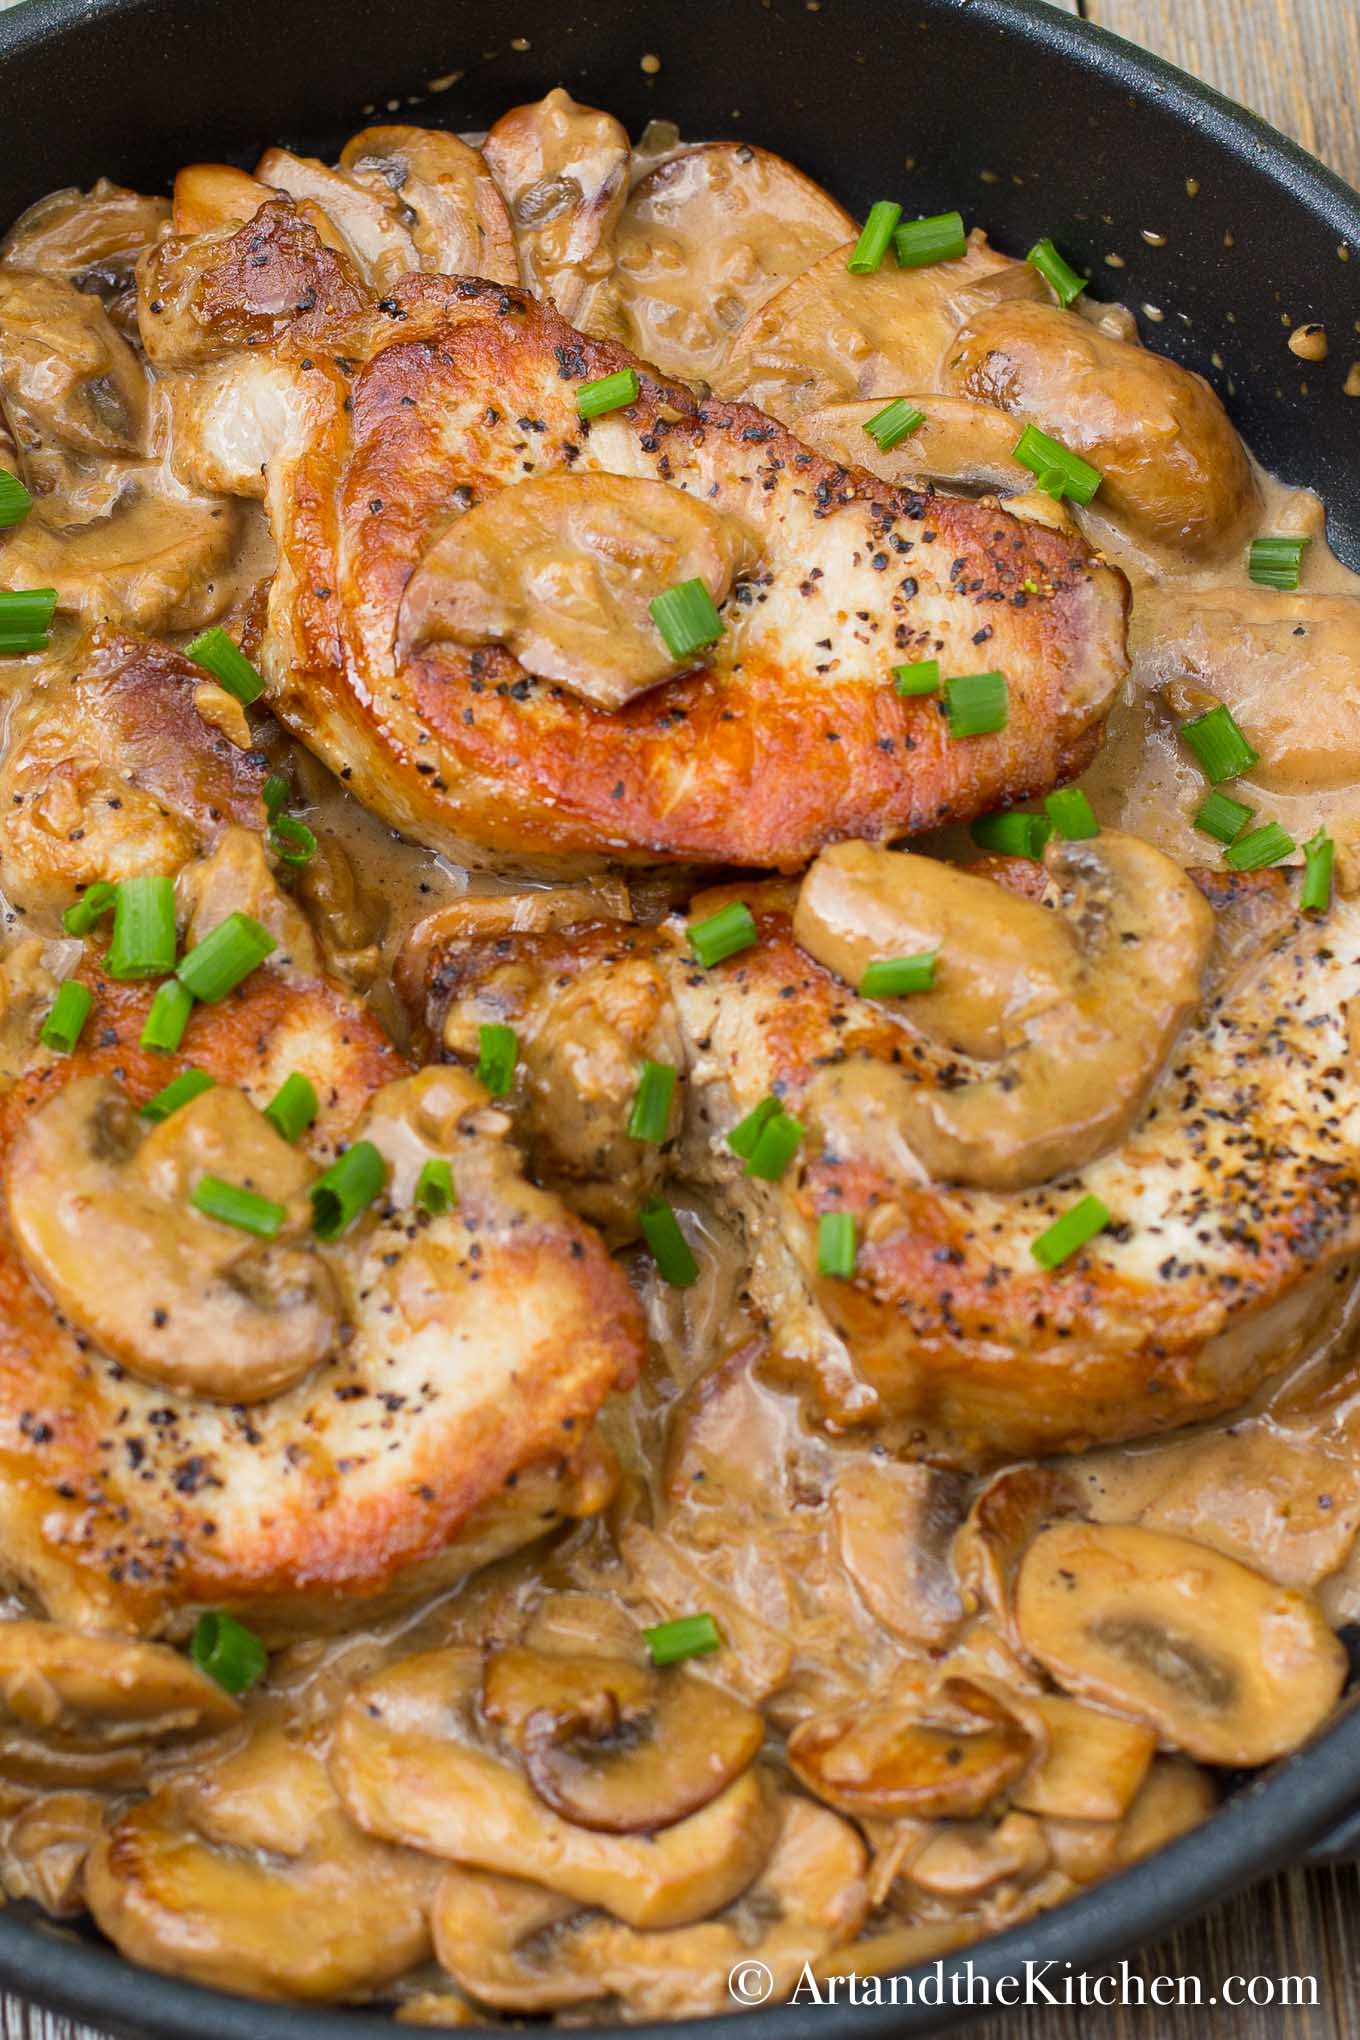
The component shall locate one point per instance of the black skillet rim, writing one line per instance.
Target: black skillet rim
(1262, 1827)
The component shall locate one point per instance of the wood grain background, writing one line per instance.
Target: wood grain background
(1298, 63)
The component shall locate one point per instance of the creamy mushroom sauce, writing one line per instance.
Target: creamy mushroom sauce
(841, 1579)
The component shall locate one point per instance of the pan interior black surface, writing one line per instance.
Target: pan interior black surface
(1029, 122)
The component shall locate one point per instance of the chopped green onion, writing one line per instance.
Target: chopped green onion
(872, 245)
(26, 619)
(228, 1652)
(1222, 817)
(1061, 472)
(669, 1248)
(921, 678)
(435, 1193)
(169, 1016)
(15, 501)
(687, 1636)
(234, 1205)
(1012, 835)
(1070, 1233)
(292, 839)
(1218, 743)
(1315, 896)
(189, 1084)
(293, 1106)
(497, 1054)
(888, 427)
(897, 977)
(745, 1135)
(1071, 815)
(143, 941)
(1266, 845)
(651, 1112)
(217, 964)
(836, 1244)
(1275, 562)
(940, 238)
(607, 393)
(723, 934)
(686, 618)
(776, 1147)
(89, 910)
(219, 655)
(62, 1028)
(1056, 272)
(276, 795)
(348, 1187)
(976, 704)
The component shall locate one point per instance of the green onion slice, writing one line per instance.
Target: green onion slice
(143, 941)
(894, 423)
(1012, 835)
(435, 1192)
(228, 1652)
(669, 1248)
(15, 501)
(1319, 852)
(1275, 562)
(976, 704)
(89, 910)
(1219, 745)
(234, 1205)
(292, 839)
(872, 245)
(940, 238)
(497, 1054)
(723, 934)
(651, 1112)
(348, 1187)
(897, 977)
(923, 677)
(189, 1084)
(745, 1135)
(1069, 1234)
(1060, 471)
(1222, 817)
(836, 1248)
(62, 1028)
(686, 618)
(607, 393)
(1058, 273)
(217, 964)
(1072, 815)
(776, 1147)
(293, 1106)
(276, 794)
(169, 1016)
(687, 1636)
(26, 619)
(219, 655)
(1266, 845)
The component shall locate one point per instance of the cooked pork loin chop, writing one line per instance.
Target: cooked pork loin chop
(373, 428)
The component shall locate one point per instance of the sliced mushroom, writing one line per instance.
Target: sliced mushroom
(73, 393)
(705, 240)
(497, 1938)
(445, 194)
(408, 1766)
(1173, 469)
(894, 1522)
(564, 171)
(1224, 1664)
(965, 445)
(45, 1849)
(212, 195)
(562, 571)
(1176, 1797)
(250, 1877)
(1077, 1031)
(104, 1692)
(941, 1755)
(91, 238)
(964, 1860)
(1005, 1518)
(368, 226)
(158, 561)
(235, 878)
(614, 1746)
(1093, 1764)
(99, 1204)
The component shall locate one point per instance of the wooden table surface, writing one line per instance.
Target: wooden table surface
(1298, 63)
